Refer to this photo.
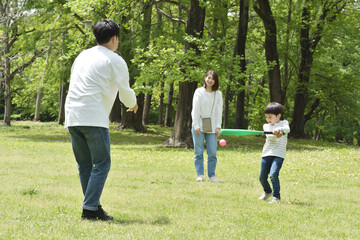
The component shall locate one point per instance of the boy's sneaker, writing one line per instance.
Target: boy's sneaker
(99, 214)
(214, 179)
(200, 178)
(275, 200)
(265, 196)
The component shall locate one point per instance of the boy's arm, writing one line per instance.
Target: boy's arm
(283, 129)
(266, 128)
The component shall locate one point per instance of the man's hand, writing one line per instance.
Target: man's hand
(133, 109)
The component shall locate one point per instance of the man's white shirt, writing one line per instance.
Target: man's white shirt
(96, 76)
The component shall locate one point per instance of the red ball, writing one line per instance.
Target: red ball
(222, 142)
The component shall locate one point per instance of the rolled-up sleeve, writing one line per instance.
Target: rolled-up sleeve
(121, 78)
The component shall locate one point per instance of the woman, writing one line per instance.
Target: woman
(206, 123)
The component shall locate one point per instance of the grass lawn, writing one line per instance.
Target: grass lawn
(152, 193)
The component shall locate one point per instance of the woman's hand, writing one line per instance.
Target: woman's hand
(197, 131)
(217, 131)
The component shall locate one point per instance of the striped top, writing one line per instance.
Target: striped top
(275, 146)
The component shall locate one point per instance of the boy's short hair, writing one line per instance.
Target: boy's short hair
(104, 30)
(274, 108)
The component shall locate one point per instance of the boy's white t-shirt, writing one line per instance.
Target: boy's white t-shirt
(275, 146)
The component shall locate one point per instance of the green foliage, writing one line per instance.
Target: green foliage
(56, 27)
(161, 61)
(336, 82)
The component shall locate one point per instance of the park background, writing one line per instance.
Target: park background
(301, 53)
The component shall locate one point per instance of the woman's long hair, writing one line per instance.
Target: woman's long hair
(215, 77)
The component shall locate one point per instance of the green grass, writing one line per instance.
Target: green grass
(152, 193)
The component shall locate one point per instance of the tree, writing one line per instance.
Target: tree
(308, 43)
(13, 25)
(288, 70)
(263, 9)
(181, 135)
(239, 51)
(167, 60)
(40, 89)
(129, 119)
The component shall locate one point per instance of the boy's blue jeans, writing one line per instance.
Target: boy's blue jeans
(271, 165)
(91, 146)
(211, 147)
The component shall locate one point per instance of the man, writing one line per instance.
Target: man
(96, 76)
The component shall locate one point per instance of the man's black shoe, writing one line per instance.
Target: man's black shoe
(99, 214)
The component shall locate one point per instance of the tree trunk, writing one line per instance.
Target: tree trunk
(146, 24)
(145, 38)
(147, 106)
(262, 8)
(131, 120)
(240, 111)
(240, 51)
(287, 74)
(169, 106)
(40, 90)
(226, 107)
(6, 79)
(115, 114)
(63, 86)
(7, 104)
(358, 134)
(181, 135)
(38, 104)
(308, 45)
(312, 109)
(298, 122)
(161, 105)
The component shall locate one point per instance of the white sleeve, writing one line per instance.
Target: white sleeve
(121, 78)
(285, 128)
(195, 113)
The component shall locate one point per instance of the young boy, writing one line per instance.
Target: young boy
(274, 151)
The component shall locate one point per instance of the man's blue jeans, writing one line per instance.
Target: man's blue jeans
(91, 146)
(271, 166)
(211, 147)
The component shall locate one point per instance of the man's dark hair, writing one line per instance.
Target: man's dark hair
(104, 30)
(274, 108)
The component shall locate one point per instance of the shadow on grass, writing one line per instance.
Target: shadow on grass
(161, 221)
